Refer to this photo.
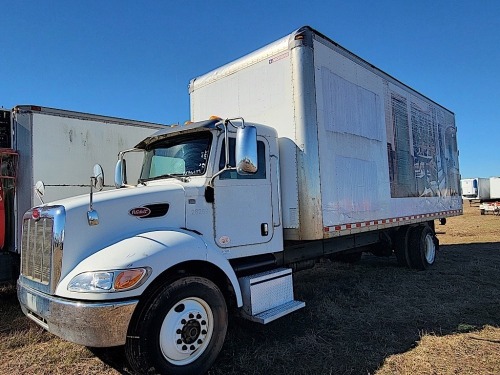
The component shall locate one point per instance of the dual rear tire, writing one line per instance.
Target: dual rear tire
(416, 247)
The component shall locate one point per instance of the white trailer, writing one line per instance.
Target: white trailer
(495, 188)
(475, 189)
(57, 147)
(492, 204)
(333, 157)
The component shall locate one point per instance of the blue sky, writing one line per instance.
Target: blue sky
(134, 59)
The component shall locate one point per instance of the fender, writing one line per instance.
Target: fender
(159, 250)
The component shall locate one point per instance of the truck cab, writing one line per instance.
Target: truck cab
(106, 272)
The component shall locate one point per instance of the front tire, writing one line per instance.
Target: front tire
(180, 330)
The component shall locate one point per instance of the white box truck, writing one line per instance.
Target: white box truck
(475, 189)
(332, 157)
(57, 147)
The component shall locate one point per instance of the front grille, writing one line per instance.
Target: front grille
(37, 248)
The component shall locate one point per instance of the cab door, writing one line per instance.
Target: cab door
(243, 204)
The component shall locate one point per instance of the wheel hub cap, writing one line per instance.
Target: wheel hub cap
(186, 331)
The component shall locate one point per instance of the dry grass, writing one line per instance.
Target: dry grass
(469, 353)
(368, 318)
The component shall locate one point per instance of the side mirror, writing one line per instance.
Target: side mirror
(98, 178)
(96, 182)
(120, 173)
(246, 150)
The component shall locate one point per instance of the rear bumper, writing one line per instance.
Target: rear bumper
(95, 324)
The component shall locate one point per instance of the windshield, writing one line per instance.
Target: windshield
(183, 155)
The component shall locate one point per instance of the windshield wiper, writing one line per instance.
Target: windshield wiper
(177, 177)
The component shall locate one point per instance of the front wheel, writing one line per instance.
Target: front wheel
(179, 331)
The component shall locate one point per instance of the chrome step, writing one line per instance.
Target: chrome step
(268, 295)
(277, 312)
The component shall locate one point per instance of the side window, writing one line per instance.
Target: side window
(233, 175)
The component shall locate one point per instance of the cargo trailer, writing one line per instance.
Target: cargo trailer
(475, 189)
(56, 147)
(494, 188)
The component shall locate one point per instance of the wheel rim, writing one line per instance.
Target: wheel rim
(186, 331)
(430, 249)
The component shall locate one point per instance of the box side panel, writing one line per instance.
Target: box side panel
(261, 93)
(353, 160)
(65, 150)
(484, 188)
(386, 151)
(22, 143)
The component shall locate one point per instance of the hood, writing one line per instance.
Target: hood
(122, 213)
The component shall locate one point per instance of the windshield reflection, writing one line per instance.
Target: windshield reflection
(184, 155)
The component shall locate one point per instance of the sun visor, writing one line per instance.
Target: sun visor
(179, 129)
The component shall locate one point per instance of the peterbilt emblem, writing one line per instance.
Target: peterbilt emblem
(140, 211)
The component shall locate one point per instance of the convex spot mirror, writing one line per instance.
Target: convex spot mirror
(120, 173)
(246, 150)
(98, 178)
(40, 188)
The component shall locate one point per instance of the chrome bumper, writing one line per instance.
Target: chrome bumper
(95, 324)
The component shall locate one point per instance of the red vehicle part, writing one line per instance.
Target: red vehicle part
(8, 173)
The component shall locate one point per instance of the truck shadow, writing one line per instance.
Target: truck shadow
(358, 315)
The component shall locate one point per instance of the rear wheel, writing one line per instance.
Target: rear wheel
(423, 245)
(180, 331)
(401, 243)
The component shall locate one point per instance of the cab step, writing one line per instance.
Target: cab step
(268, 295)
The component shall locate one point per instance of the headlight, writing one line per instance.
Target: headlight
(109, 281)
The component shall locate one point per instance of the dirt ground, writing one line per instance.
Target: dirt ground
(371, 317)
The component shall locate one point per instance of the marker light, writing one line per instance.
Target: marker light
(35, 214)
(215, 118)
(129, 278)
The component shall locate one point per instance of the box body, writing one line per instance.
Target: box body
(359, 150)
